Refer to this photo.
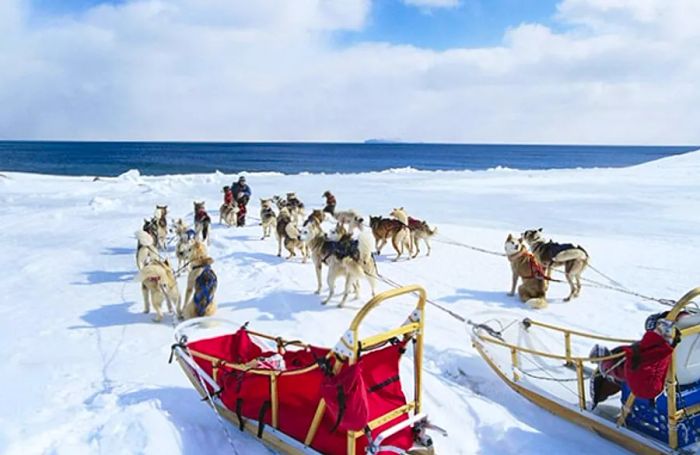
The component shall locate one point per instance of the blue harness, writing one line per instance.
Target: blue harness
(191, 233)
(205, 287)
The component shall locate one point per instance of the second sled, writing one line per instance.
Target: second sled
(542, 362)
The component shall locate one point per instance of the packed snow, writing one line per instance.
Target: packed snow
(85, 371)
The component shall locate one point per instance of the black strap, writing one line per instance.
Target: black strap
(636, 356)
(261, 417)
(239, 413)
(383, 384)
(341, 407)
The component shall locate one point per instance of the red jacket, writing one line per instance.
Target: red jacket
(228, 197)
(646, 365)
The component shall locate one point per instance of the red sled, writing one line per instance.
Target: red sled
(303, 399)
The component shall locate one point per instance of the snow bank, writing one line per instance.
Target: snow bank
(86, 372)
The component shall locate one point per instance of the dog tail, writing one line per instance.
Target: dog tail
(434, 231)
(144, 238)
(573, 254)
(537, 303)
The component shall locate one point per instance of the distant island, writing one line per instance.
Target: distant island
(383, 141)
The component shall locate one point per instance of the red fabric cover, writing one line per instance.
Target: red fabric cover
(348, 385)
(647, 379)
(299, 394)
(414, 223)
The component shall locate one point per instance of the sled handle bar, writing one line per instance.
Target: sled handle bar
(682, 303)
(387, 295)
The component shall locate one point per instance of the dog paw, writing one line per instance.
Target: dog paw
(567, 299)
(157, 319)
(511, 294)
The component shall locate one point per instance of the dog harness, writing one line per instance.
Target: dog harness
(205, 286)
(201, 215)
(342, 249)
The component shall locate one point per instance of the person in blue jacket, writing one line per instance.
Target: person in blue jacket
(241, 194)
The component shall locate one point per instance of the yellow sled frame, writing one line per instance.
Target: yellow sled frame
(615, 433)
(351, 346)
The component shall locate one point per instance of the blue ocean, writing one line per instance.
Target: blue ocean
(158, 158)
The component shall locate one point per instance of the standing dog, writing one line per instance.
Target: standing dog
(349, 258)
(350, 219)
(201, 285)
(185, 240)
(419, 230)
(228, 213)
(201, 222)
(288, 234)
(551, 254)
(268, 219)
(157, 284)
(161, 217)
(524, 266)
(145, 249)
(384, 229)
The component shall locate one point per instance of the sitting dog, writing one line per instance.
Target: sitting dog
(387, 228)
(201, 285)
(157, 284)
(287, 233)
(524, 265)
(161, 217)
(201, 222)
(350, 219)
(145, 249)
(228, 213)
(551, 254)
(419, 230)
(268, 219)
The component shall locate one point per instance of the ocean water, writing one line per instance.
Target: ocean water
(158, 158)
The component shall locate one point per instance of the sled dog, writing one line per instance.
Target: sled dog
(345, 256)
(201, 285)
(185, 240)
(201, 222)
(525, 267)
(384, 229)
(145, 249)
(268, 219)
(419, 230)
(161, 217)
(350, 219)
(228, 213)
(287, 233)
(157, 284)
(551, 254)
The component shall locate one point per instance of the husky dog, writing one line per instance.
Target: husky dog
(228, 213)
(316, 216)
(387, 228)
(313, 237)
(349, 219)
(268, 219)
(288, 234)
(201, 221)
(524, 265)
(157, 284)
(161, 217)
(145, 249)
(551, 254)
(419, 230)
(185, 240)
(201, 285)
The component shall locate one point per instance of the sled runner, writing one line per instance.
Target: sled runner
(539, 361)
(303, 399)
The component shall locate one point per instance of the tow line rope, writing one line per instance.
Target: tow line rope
(218, 415)
(614, 286)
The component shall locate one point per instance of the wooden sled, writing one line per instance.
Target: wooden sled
(271, 387)
(539, 362)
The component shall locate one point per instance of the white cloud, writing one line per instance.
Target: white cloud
(267, 70)
(429, 4)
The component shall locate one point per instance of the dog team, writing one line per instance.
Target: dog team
(344, 247)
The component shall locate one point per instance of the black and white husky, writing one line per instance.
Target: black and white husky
(552, 254)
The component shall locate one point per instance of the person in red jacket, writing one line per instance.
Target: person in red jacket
(330, 203)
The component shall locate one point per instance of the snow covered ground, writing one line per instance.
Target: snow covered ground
(84, 371)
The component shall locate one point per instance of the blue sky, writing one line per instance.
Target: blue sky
(472, 23)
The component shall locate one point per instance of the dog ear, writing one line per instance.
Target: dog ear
(539, 230)
(509, 238)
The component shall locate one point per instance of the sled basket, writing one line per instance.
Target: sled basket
(298, 398)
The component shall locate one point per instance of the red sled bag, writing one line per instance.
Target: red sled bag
(646, 365)
(345, 395)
